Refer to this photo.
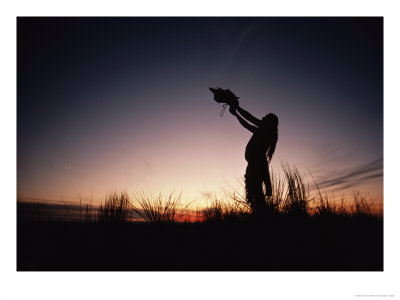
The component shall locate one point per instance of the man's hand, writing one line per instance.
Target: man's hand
(225, 96)
(232, 110)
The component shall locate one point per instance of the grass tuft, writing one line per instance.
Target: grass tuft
(159, 209)
(226, 210)
(115, 209)
(297, 195)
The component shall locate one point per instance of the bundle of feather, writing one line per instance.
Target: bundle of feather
(226, 97)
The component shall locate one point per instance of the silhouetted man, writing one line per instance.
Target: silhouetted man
(259, 149)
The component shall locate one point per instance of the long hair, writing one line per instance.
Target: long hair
(271, 125)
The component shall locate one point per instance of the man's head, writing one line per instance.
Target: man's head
(270, 121)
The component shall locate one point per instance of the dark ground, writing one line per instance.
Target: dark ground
(275, 244)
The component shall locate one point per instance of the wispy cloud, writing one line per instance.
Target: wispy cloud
(353, 177)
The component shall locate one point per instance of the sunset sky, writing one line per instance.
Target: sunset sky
(109, 104)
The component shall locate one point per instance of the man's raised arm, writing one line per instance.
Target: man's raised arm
(248, 116)
(241, 120)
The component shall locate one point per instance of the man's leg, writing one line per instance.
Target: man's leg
(267, 182)
(254, 193)
(249, 189)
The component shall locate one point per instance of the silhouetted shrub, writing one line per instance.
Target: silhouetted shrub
(116, 208)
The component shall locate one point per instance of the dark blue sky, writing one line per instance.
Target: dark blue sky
(123, 102)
